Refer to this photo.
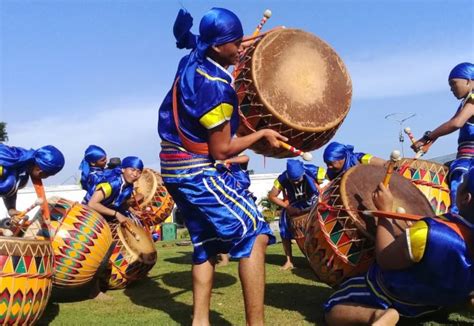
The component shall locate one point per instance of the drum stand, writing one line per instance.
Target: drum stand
(400, 117)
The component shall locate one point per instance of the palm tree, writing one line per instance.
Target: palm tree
(270, 209)
(3, 132)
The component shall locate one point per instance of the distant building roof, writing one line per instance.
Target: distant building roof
(444, 159)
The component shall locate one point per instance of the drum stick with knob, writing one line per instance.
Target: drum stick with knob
(305, 155)
(394, 157)
(38, 201)
(419, 151)
(266, 15)
(130, 230)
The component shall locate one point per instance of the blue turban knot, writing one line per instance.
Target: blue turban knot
(294, 169)
(49, 159)
(132, 162)
(463, 70)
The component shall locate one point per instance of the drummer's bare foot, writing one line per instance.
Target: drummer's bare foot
(287, 266)
(101, 296)
(386, 318)
(224, 260)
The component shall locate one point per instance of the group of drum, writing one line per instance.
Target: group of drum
(76, 248)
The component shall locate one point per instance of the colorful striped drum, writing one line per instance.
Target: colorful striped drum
(133, 257)
(157, 203)
(431, 179)
(26, 270)
(81, 240)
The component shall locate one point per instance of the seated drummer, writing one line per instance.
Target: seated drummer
(429, 267)
(92, 166)
(18, 164)
(114, 189)
(339, 158)
(299, 185)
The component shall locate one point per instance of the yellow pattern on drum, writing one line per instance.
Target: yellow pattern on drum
(26, 269)
(81, 241)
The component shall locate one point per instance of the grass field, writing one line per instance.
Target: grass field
(165, 298)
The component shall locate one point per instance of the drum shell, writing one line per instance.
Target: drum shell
(297, 227)
(129, 264)
(26, 271)
(339, 239)
(431, 179)
(81, 239)
(257, 113)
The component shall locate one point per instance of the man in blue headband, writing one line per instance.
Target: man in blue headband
(18, 164)
(300, 191)
(461, 81)
(429, 267)
(113, 189)
(197, 121)
(92, 166)
(339, 158)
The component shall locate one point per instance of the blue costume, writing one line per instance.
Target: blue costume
(116, 190)
(465, 153)
(91, 174)
(15, 162)
(443, 273)
(336, 151)
(219, 211)
(300, 195)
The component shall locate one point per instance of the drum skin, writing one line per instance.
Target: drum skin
(131, 259)
(295, 83)
(339, 237)
(157, 203)
(431, 179)
(81, 240)
(26, 272)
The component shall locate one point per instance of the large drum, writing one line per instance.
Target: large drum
(133, 257)
(295, 83)
(81, 241)
(432, 180)
(157, 203)
(339, 237)
(26, 271)
(297, 226)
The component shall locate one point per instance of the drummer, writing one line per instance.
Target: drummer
(339, 158)
(299, 186)
(18, 164)
(92, 166)
(429, 267)
(461, 81)
(113, 190)
(220, 215)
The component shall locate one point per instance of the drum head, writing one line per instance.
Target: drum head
(301, 80)
(147, 185)
(358, 184)
(139, 243)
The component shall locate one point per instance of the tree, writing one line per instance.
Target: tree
(270, 209)
(3, 132)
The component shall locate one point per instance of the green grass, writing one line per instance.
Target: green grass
(165, 298)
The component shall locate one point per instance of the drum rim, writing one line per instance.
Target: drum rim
(334, 124)
(147, 199)
(133, 252)
(23, 241)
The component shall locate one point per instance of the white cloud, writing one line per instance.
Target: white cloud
(403, 74)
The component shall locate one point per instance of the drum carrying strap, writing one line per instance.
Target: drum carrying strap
(188, 144)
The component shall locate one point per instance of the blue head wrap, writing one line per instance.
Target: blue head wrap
(49, 159)
(294, 169)
(92, 154)
(463, 70)
(218, 26)
(132, 162)
(336, 151)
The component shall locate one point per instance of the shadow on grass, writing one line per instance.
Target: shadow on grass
(279, 260)
(186, 258)
(306, 299)
(51, 311)
(148, 293)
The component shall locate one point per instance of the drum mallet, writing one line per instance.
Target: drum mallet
(305, 155)
(420, 151)
(394, 157)
(266, 15)
(38, 201)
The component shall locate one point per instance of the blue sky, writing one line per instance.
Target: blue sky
(75, 73)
